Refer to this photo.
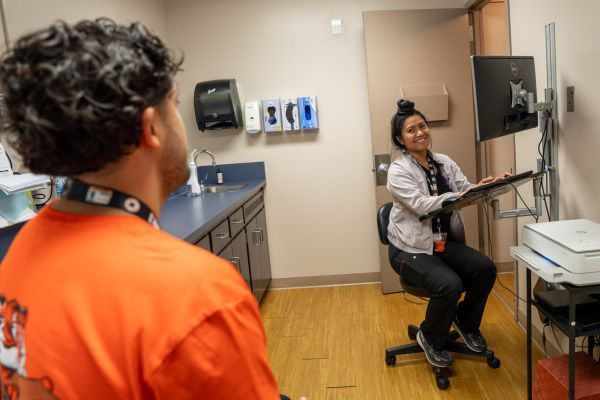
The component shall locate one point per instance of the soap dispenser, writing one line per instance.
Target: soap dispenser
(192, 188)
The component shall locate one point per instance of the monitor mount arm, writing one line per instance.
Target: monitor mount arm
(520, 212)
(521, 97)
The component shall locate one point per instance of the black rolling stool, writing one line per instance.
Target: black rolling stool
(383, 218)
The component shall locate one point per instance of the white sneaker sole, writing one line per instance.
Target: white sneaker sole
(455, 325)
(432, 362)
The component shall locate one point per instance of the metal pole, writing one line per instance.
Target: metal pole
(4, 26)
(552, 134)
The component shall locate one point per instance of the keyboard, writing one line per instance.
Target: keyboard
(501, 182)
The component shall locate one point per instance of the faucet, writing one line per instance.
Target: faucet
(214, 164)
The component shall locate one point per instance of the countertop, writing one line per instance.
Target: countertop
(190, 218)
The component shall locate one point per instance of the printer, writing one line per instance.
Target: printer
(562, 251)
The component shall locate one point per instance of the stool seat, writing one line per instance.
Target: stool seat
(418, 291)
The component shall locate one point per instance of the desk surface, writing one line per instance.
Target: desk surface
(485, 192)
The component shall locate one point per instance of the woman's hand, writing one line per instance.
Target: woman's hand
(487, 179)
(503, 175)
(490, 179)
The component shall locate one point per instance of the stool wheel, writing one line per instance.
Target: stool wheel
(443, 383)
(390, 360)
(493, 362)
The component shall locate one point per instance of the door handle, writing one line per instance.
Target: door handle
(382, 169)
(382, 165)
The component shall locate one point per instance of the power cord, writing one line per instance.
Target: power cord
(542, 153)
(9, 159)
(525, 204)
(544, 338)
(41, 196)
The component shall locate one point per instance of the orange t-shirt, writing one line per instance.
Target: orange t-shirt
(108, 307)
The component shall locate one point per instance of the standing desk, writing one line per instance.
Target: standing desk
(575, 285)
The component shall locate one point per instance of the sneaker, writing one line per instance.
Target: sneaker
(437, 358)
(474, 340)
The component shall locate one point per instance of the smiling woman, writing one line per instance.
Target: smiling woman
(433, 255)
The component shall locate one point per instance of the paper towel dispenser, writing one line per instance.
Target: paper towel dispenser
(217, 105)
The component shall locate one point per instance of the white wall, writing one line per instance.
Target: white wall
(24, 16)
(320, 194)
(577, 60)
(320, 198)
(27, 15)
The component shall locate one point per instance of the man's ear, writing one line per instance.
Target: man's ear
(148, 136)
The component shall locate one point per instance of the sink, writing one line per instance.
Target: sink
(222, 188)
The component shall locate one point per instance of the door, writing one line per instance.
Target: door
(240, 257)
(258, 252)
(411, 48)
(253, 239)
(265, 257)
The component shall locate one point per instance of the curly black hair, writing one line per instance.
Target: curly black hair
(75, 94)
(406, 108)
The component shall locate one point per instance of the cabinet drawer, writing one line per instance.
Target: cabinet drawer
(220, 236)
(253, 206)
(236, 221)
(204, 243)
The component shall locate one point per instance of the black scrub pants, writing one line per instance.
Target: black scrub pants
(460, 268)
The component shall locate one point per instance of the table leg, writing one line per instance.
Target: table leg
(571, 346)
(528, 298)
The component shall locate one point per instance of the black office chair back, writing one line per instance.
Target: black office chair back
(383, 219)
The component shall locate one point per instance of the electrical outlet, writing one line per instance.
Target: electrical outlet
(570, 98)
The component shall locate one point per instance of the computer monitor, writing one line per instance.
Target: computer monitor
(502, 88)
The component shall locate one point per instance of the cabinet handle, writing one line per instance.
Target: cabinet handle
(237, 221)
(235, 261)
(222, 236)
(262, 238)
(256, 237)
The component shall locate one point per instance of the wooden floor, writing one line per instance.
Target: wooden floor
(329, 343)
(508, 280)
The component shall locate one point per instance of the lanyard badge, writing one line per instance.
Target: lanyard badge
(439, 237)
(77, 190)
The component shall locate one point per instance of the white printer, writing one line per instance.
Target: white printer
(562, 251)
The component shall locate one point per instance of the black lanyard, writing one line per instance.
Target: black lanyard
(77, 190)
(433, 189)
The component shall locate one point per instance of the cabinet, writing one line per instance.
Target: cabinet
(204, 243)
(242, 240)
(237, 254)
(258, 252)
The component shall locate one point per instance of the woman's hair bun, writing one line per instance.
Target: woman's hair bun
(406, 107)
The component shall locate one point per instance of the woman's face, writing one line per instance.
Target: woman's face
(415, 134)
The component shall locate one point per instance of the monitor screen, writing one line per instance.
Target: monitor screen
(496, 79)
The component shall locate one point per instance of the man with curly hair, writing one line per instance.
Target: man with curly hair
(110, 306)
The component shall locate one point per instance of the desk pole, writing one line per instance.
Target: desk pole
(571, 346)
(528, 298)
